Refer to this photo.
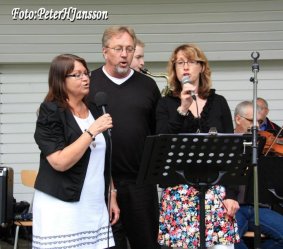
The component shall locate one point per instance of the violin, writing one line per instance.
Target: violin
(273, 143)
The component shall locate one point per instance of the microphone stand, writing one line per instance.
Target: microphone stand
(255, 69)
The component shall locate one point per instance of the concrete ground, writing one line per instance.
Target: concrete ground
(7, 238)
(22, 244)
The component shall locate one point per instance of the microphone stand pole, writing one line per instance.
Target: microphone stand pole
(255, 69)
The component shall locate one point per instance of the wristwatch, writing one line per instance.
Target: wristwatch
(182, 113)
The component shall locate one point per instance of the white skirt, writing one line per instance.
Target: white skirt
(59, 224)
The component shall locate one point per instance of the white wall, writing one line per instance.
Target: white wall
(227, 30)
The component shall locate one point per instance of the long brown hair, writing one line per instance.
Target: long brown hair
(60, 66)
(192, 52)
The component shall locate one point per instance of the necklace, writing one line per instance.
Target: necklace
(81, 113)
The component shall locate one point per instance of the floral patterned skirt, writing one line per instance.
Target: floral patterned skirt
(179, 218)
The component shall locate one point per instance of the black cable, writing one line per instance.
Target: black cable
(101, 101)
(198, 116)
(109, 187)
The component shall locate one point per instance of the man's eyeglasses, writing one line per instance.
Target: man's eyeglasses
(181, 64)
(251, 120)
(79, 76)
(119, 50)
(248, 119)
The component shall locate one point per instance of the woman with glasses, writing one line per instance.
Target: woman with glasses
(192, 106)
(69, 208)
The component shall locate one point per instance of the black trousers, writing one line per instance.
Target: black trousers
(139, 216)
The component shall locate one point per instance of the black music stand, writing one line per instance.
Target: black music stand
(270, 171)
(201, 160)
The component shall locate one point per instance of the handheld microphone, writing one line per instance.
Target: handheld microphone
(101, 100)
(186, 79)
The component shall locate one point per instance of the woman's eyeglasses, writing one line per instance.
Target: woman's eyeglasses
(181, 64)
(79, 76)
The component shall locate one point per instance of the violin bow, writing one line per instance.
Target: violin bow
(274, 141)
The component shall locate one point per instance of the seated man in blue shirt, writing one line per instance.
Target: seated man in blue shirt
(266, 124)
(271, 222)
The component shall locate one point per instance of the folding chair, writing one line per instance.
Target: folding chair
(28, 179)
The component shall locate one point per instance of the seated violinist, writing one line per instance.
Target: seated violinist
(266, 124)
(271, 222)
(270, 130)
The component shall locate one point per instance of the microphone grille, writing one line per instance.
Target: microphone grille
(186, 79)
(101, 99)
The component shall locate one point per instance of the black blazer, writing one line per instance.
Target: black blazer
(56, 128)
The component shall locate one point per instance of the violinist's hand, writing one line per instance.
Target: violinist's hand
(101, 124)
(231, 206)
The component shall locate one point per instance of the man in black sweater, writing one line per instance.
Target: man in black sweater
(132, 98)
